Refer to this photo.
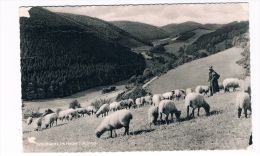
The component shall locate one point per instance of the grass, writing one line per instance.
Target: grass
(222, 130)
(195, 73)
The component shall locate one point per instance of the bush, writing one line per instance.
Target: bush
(158, 49)
(31, 112)
(97, 103)
(74, 104)
(137, 92)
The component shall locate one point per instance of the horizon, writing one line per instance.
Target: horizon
(159, 15)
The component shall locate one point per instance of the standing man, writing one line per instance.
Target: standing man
(213, 81)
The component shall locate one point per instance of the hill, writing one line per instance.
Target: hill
(196, 72)
(60, 56)
(106, 30)
(141, 30)
(176, 29)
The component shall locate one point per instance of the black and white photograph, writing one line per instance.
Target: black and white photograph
(137, 77)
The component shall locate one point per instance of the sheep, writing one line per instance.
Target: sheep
(243, 102)
(152, 115)
(168, 95)
(83, 111)
(247, 85)
(188, 90)
(157, 99)
(168, 107)
(116, 120)
(196, 100)
(103, 110)
(29, 120)
(66, 113)
(91, 109)
(114, 106)
(139, 102)
(128, 103)
(37, 124)
(179, 93)
(148, 99)
(50, 119)
(231, 83)
(202, 89)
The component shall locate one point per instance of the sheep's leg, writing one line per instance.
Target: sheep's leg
(172, 116)
(245, 112)
(166, 119)
(111, 134)
(160, 118)
(199, 111)
(192, 113)
(188, 111)
(239, 112)
(126, 130)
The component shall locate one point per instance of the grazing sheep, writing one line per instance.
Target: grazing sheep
(104, 109)
(168, 95)
(50, 119)
(179, 93)
(128, 103)
(114, 106)
(116, 120)
(168, 107)
(91, 109)
(153, 115)
(243, 102)
(231, 83)
(29, 120)
(157, 98)
(196, 100)
(83, 111)
(68, 112)
(247, 85)
(47, 111)
(148, 99)
(188, 90)
(202, 89)
(37, 124)
(139, 102)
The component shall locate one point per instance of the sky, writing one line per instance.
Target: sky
(160, 15)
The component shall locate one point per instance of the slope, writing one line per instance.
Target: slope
(195, 72)
(60, 57)
(141, 30)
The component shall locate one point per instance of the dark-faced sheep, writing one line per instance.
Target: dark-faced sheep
(168, 107)
(114, 106)
(168, 95)
(114, 121)
(232, 83)
(153, 114)
(196, 100)
(243, 102)
(202, 89)
(157, 98)
(29, 120)
(37, 124)
(50, 119)
(103, 110)
(83, 111)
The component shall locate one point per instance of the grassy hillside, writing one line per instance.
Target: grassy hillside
(141, 30)
(195, 73)
(60, 57)
(176, 29)
(222, 130)
(106, 30)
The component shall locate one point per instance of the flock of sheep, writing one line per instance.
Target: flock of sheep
(121, 115)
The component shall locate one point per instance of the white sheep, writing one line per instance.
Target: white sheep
(179, 93)
(243, 102)
(64, 114)
(127, 103)
(168, 107)
(188, 90)
(220, 85)
(114, 106)
(83, 111)
(29, 120)
(231, 83)
(157, 98)
(196, 100)
(168, 95)
(103, 110)
(139, 102)
(50, 119)
(37, 124)
(91, 109)
(202, 89)
(116, 120)
(148, 99)
(153, 115)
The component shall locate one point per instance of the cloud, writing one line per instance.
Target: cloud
(160, 15)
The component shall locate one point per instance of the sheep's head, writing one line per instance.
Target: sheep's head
(98, 134)
(178, 114)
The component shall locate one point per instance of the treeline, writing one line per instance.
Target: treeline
(57, 61)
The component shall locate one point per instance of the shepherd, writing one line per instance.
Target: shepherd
(213, 81)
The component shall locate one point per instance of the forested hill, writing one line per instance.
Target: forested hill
(60, 57)
(144, 31)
